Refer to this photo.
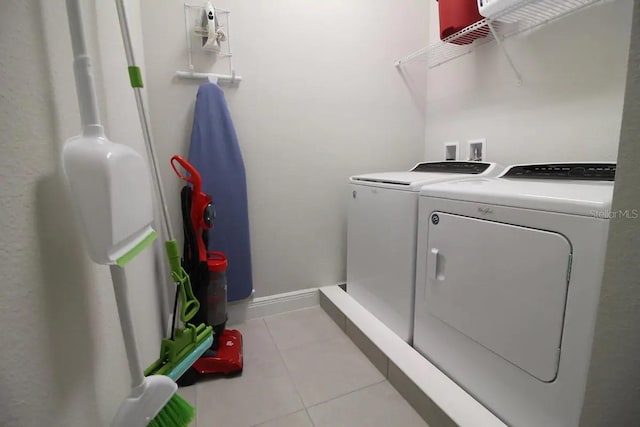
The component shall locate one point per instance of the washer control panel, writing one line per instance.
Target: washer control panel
(471, 168)
(564, 171)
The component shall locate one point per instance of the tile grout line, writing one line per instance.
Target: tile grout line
(306, 410)
(304, 404)
(344, 394)
(280, 350)
(284, 362)
(297, 346)
(266, 325)
(388, 363)
(308, 343)
(279, 417)
(320, 341)
(405, 396)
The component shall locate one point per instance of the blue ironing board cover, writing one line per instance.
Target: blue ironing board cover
(215, 153)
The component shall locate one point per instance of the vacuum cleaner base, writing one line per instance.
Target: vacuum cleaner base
(228, 358)
(226, 361)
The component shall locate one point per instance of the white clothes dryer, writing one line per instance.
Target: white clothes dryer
(508, 282)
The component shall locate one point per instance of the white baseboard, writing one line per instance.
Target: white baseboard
(253, 308)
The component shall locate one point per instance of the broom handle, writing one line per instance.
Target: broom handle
(85, 89)
(136, 83)
(151, 153)
(119, 280)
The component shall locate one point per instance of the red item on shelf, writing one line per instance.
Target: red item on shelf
(456, 15)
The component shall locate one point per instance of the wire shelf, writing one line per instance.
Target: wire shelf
(460, 43)
(523, 16)
(532, 14)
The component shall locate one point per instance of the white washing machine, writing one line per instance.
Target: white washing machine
(507, 286)
(381, 241)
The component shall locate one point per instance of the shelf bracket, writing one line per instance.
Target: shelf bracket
(498, 40)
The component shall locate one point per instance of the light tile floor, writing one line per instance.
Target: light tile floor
(300, 370)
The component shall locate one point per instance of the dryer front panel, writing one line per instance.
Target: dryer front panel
(503, 286)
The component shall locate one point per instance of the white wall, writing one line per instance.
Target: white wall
(613, 389)
(63, 361)
(569, 107)
(320, 101)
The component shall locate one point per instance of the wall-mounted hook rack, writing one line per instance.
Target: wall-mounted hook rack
(212, 77)
(197, 28)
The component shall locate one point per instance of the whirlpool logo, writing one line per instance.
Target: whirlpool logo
(485, 211)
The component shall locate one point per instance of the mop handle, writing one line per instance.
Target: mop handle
(85, 88)
(91, 126)
(119, 280)
(135, 76)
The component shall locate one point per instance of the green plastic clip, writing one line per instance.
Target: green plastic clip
(135, 76)
(189, 305)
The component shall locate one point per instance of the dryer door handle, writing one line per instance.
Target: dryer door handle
(435, 264)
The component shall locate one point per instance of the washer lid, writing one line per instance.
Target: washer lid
(426, 173)
(539, 189)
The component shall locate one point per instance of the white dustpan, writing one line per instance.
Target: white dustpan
(110, 188)
(109, 183)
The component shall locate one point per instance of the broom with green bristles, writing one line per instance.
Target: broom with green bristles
(187, 343)
(109, 187)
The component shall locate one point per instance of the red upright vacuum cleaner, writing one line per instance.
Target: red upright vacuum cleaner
(208, 279)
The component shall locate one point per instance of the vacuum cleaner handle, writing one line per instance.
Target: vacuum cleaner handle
(194, 176)
(202, 210)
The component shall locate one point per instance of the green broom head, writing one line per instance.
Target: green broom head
(176, 413)
(178, 354)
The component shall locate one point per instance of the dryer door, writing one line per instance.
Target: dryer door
(501, 285)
